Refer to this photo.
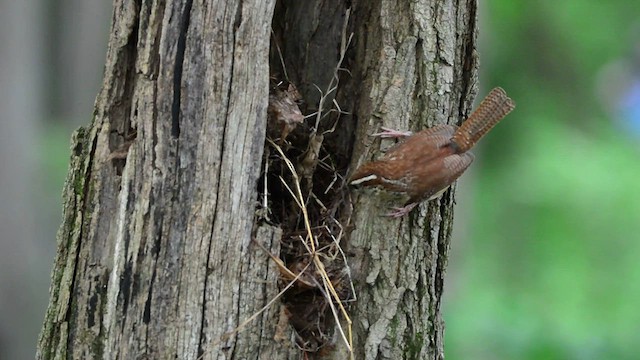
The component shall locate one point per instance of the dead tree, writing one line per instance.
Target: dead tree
(206, 211)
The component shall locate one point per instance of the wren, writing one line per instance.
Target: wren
(425, 164)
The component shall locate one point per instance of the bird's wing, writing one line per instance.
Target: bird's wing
(421, 146)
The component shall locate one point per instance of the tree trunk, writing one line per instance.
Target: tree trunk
(174, 200)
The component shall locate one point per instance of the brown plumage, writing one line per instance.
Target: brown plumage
(425, 164)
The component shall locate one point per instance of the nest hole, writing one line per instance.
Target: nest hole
(302, 189)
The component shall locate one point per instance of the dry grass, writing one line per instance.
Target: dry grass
(315, 279)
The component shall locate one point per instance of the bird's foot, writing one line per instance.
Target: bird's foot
(388, 133)
(397, 212)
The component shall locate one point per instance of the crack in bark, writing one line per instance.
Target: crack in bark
(442, 244)
(177, 70)
(88, 162)
(121, 133)
(117, 274)
(87, 169)
(155, 251)
(469, 61)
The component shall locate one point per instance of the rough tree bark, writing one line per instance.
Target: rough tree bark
(156, 253)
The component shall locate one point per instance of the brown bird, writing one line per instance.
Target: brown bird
(425, 164)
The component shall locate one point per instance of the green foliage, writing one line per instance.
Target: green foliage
(549, 268)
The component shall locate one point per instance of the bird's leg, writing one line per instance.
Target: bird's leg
(388, 133)
(401, 211)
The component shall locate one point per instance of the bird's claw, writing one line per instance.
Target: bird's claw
(398, 212)
(388, 133)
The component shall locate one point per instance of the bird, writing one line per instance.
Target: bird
(426, 163)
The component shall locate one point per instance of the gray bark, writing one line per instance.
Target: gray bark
(155, 253)
(422, 67)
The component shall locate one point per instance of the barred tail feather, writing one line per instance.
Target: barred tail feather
(491, 110)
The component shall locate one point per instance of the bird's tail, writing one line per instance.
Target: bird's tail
(491, 110)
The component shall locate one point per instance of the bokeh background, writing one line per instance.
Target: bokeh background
(52, 55)
(545, 260)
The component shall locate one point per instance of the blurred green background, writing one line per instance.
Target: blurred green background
(545, 260)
